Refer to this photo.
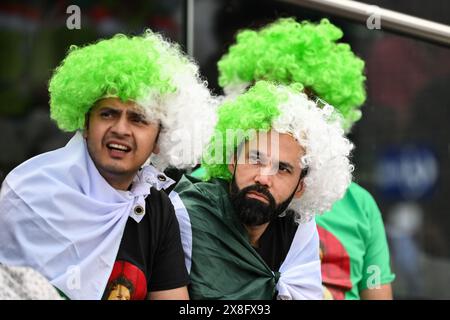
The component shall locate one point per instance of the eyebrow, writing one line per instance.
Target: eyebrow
(119, 111)
(109, 109)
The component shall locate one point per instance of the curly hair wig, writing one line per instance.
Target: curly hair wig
(288, 51)
(146, 69)
(268, 106)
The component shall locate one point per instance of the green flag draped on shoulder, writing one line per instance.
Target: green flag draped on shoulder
(221, 261)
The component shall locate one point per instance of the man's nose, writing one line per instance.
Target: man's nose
(121, 126)
(264, 176)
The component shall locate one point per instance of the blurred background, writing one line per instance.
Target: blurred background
(402, 153)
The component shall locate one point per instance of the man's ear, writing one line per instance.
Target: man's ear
(300, 189)
(156, 145)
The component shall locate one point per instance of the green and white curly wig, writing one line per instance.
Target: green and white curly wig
(146, 69)
(286, 109)
(286, 52)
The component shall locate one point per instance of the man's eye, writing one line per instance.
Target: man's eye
(106, 114)
(140, 120)
(284, 169)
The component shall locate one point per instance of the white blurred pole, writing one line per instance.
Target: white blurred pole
(389, 20)
(190, 28)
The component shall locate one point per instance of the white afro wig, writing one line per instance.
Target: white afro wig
(188, 115)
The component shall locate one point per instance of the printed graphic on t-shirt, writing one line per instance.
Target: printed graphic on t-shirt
(127, 282)
(335, 266)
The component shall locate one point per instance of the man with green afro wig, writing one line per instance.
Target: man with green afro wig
(354, 264)
(287, 51)
(146, 69)
(276, 159)
(92, 217)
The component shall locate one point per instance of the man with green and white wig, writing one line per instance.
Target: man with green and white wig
(276, 159)
(92, 216)
(354, 250)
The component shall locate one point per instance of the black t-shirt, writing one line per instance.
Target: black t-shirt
(150, 256)
(276, 240)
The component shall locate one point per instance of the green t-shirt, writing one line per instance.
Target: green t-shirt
(355, 254)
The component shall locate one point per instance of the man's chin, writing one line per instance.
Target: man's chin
(255, 224)
(255, 214)
(117, 170)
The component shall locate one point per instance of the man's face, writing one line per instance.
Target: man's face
(267, 176)
(119, 139)
(119, 292)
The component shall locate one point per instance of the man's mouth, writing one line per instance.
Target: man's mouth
(118, 147)
(118, 150)
(257, 196)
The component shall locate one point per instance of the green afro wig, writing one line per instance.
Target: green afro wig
(124, 67)
(287, 51)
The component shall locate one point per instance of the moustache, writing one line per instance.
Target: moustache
(257, 188)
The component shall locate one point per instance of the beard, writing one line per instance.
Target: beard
(253, 212)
